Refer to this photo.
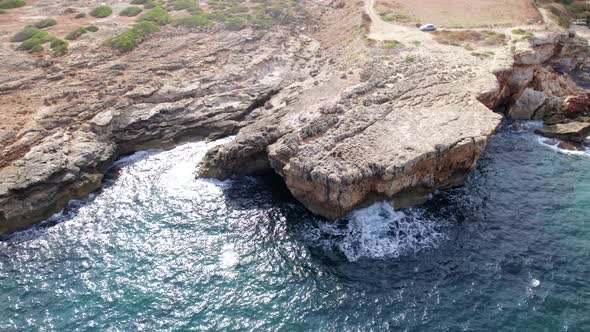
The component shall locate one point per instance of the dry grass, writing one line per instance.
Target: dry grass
(460, 13)
(470, 38)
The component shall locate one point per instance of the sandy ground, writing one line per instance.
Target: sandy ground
(465, 13)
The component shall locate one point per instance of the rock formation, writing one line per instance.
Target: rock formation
(541, 86)
(406, 129)
(109, 105)
(344, 120)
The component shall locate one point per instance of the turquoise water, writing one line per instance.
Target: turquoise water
(158, 250)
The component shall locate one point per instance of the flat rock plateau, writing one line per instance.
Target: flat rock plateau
(345, 107)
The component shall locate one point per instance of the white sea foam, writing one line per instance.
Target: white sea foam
(544, 141)
(380, 232)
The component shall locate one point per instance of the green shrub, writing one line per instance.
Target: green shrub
(149, 5)
(130, 39)
(24, 34)
(59, 46)
(157, 15)
(261, 22)
(80, 15)
(91, 28)
(76, 33)
(101, 11)
(235, 23)
(139, 2)
(190, 5)
(195, 21)
(36, 41)
(2, 11)
(9, 4)
(45, 23)
(131, 11)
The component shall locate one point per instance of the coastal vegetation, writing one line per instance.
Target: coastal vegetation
(101, 11)
(157, 15)
(45, 23)
(131, 11)
(194, 21)
(9, 4)
(33, 39)
(131, 38)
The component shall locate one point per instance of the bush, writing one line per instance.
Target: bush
(149, 5)
(48, 22)
(195, 21)
(9, 4)
(131, 38)
(2, 11)
(190, 5)
(80, 15)
(101, 11)
(76, 33)
(59, 46)
(24, 34)
(91, 28)
(235, 23)
(139, 2)
(35, 43)
(157, 15)
(131, 11)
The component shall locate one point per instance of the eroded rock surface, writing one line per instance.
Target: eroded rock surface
(542, 86)
(404, 130)
(182, 86)
(342, 119)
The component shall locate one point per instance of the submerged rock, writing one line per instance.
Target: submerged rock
(571, 131)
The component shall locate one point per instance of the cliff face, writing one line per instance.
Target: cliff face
(109, 105)
(404, 130)
(543, 83)
(344, 120)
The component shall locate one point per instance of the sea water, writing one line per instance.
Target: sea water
(156, 249)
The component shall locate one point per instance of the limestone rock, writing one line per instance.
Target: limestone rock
(72, 135)
(527, 104)
(571, 131)
(400, 135)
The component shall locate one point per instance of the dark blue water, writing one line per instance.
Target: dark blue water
(158, 250)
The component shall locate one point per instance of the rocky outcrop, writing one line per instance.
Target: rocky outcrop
(63, 151)
(574, 131)
(405, 130)
(541, 86)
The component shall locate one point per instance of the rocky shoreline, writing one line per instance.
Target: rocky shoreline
(342, 126)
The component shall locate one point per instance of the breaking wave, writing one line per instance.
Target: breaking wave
(379, 232)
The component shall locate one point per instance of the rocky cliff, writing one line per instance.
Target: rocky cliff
(343, 119)
(546, 83)
(406, 129)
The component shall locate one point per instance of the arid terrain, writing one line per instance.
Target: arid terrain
(347, 107)
(460, 13)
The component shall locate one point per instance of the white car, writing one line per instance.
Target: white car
(428, 27)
